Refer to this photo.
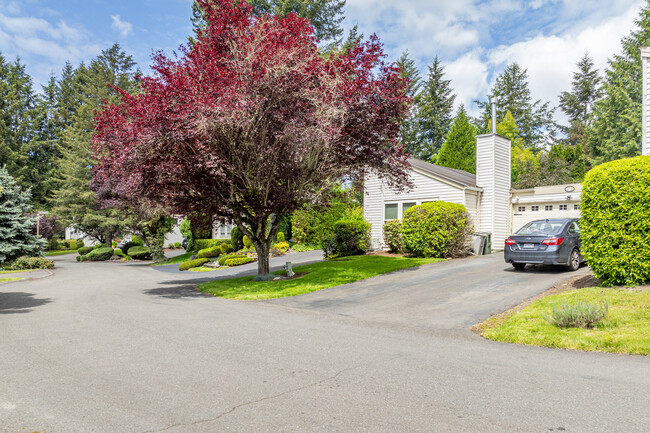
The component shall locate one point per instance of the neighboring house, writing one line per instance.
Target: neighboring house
(221, 231)
(492, 206)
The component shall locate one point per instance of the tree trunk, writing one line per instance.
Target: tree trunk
(263, 272)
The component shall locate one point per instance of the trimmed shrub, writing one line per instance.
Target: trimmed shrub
(178, 245)
(578, 315)
(52, 244)
(139, 252)
(436, 229)
(222, 259)
(137, 240)
(236, 239)
(114, 244)
(209, 252)
(84, 250)
(201, 244)
(192, 264)
(352, 237)
(280, 237)
(616, 221)
(98, 254)
(236, 261)
(247, 242)
(393, 236)
(79, 243)
(24, 262)
(170, 246)
(225, 248)
(127, 246)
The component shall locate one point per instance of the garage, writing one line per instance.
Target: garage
(556, 201)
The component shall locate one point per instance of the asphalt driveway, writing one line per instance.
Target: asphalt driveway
(115, 347)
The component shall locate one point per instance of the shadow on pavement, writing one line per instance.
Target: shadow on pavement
(178, 290)
(19, 302)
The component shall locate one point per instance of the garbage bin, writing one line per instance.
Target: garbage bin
(478, 243)
(488, 243)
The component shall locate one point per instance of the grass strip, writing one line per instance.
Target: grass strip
(3, 280)
(59, 252)
(175, 260)
(19, 270)
(625, 330)
(316, 276)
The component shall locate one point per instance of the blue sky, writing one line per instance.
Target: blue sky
(475, 39)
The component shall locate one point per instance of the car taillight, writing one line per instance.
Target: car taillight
(556, 241)
(510, 242)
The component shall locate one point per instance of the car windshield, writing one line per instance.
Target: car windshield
(541, 228)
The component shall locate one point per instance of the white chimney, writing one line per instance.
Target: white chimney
(645, 112)
(493, 175)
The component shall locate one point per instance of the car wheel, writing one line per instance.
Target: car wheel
(519, 266)
(574, 260)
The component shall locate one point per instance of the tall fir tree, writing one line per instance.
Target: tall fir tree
(75, 203)
(409, 129)
(578, 104)
(434, 112)
(534, 119)
(15, 227)
(615, 131)
(459, 149)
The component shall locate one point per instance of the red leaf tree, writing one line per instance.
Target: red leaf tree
(252, 122)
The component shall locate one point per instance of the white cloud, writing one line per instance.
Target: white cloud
(124, 27)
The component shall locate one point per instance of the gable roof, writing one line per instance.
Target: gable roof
(451, 175)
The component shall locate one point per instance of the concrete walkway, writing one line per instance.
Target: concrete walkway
(114, 347)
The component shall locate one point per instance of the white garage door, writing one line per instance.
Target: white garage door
(524, 213)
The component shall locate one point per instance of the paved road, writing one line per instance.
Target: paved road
(137, 350)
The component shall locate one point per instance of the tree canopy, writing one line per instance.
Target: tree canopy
(252, 122)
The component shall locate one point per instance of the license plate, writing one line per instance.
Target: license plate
(529, 246)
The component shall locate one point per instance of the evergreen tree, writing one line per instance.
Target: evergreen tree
(435, 104)
(459, 149)
(15, 227)
(615, 130)
(579, 103)
(326, 16)
(409, 129)
(534, 119)
(75, 203)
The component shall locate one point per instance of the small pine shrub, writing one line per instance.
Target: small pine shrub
(225, 248)
(352, 237)
(222, 259)
(84, 250)
(178, 245)
(209, 253)
(577, 315)
(139, 253)
(436, 229)
(236, 261)
(99, 254)
(280, 237)
(25, 262)
(236, 239)
(393, 236)
(192, 264)
(170, 246)
(52, 244)
(247, 242)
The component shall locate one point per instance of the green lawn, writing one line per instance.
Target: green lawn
(59, 252)
(175, 260)
(2, 280)
(625, 330)
(19, 270)
(317, 276)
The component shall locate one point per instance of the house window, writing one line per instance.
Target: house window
(548, 207)
(222, 230)
(563, 207)
(406, 206)
(390, 211)
(521, 209)
(534, 208)
(576, 207)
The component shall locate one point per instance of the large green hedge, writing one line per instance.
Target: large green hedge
(616, 221)
(436, 229)
(201, 244)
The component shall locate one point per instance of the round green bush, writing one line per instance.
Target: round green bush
(236, 239)
(222, 260)
(192, 264)
(207, 253)
(436, 229)
(279, 237)
(225, 248)
(616, 221)
(98, 254)
(247, 242)
(84, 250)
(139, 253)
(236, 261)
(352, 237)
(393, 236)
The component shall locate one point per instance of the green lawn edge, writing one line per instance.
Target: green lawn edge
(59, 252)
(626, 330)
(317, 276)
(175, 260)
(19, 270)
(5, 280)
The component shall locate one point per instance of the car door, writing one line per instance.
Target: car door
(573, 233)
